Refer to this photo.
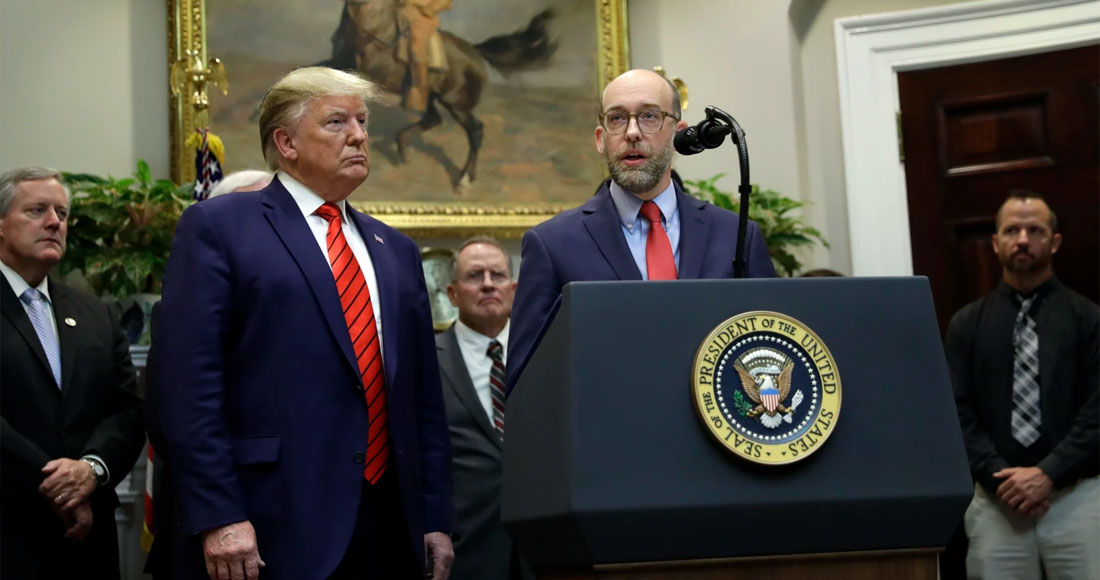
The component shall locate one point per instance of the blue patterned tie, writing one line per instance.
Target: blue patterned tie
(1026, 414)
(43, 325)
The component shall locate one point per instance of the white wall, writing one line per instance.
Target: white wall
(83, 85)
(822, 166)
(733, 55)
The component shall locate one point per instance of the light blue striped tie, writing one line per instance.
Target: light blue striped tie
(40, 318)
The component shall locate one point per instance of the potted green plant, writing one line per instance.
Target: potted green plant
(120, 232)
(771, 211)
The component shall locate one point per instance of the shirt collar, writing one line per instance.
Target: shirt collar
(628, 205)
(19, 285)
(1041, 291)
(308, 201)
(474, 341)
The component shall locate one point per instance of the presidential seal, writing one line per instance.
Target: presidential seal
(766, 387)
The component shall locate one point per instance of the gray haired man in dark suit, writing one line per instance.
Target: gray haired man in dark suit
(472, 355)
(72, 423)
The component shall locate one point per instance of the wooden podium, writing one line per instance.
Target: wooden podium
(610, 474)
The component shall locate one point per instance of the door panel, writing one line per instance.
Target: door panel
(974, 132)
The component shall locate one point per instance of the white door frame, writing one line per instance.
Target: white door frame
(871, 50)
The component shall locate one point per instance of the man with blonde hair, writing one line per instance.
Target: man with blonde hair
(298, 394)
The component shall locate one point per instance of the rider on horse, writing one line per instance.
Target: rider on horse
(422, 19)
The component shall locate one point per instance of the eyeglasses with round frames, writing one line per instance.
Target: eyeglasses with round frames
(649, 120)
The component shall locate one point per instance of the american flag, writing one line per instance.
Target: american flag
(209, 153)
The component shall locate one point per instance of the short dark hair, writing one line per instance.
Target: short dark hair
(1022, 195)
(478, 240)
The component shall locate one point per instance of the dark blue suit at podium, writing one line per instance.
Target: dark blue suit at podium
(587, 243)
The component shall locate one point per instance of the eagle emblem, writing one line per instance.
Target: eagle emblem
(766, 379)
(766, 387)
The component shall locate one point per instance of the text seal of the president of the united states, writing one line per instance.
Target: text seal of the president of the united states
(766, 387)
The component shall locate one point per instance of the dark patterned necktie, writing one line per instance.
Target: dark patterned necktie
(359, 315)
(496, 385)
(1026, 416)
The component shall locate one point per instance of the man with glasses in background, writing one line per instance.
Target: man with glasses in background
(472, 354)
(640, 225)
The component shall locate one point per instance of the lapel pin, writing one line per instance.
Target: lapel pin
(379, 239)
(70, 322)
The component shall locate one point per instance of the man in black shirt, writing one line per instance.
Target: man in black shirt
(1024, 363)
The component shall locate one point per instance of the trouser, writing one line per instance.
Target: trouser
(379, 547)
(1065, 542)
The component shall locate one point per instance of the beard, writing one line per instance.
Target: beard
(1032, 263)
(645, 177)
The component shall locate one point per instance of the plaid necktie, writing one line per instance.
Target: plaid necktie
(659, 261)
(1026, 416)
(496, 384)
(359, 314)
(40, 319)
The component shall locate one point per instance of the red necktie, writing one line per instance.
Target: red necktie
(658, 251)
(359, 314)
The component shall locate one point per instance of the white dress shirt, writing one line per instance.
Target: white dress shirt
(309, 202)
(475, 353)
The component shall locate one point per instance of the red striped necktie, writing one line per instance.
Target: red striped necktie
(359, 315)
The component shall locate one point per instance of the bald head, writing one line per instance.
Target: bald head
(641, 81)
(639, 159)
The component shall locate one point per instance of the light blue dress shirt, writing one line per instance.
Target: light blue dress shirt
(636, 228)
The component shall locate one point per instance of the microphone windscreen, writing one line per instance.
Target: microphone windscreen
(686, 141)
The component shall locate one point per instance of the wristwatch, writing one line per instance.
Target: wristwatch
(98, 469)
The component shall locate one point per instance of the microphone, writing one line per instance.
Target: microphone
(707, 134)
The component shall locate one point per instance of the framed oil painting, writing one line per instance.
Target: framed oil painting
(506, 137)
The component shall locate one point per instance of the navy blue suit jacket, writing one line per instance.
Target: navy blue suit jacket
(259, 401)
(587, 243)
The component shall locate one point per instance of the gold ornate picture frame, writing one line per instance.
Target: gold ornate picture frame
(196, 74)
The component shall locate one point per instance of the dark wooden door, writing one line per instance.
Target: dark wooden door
(974, 132)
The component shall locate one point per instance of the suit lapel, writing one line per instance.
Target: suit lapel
(385, 275)
(694, 233)
(286, 219)
(13, 311)
(603, 224)
(458, 376)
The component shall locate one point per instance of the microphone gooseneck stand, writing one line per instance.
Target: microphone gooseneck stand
(738, 137)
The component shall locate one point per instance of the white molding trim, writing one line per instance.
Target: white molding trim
(871, 50)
